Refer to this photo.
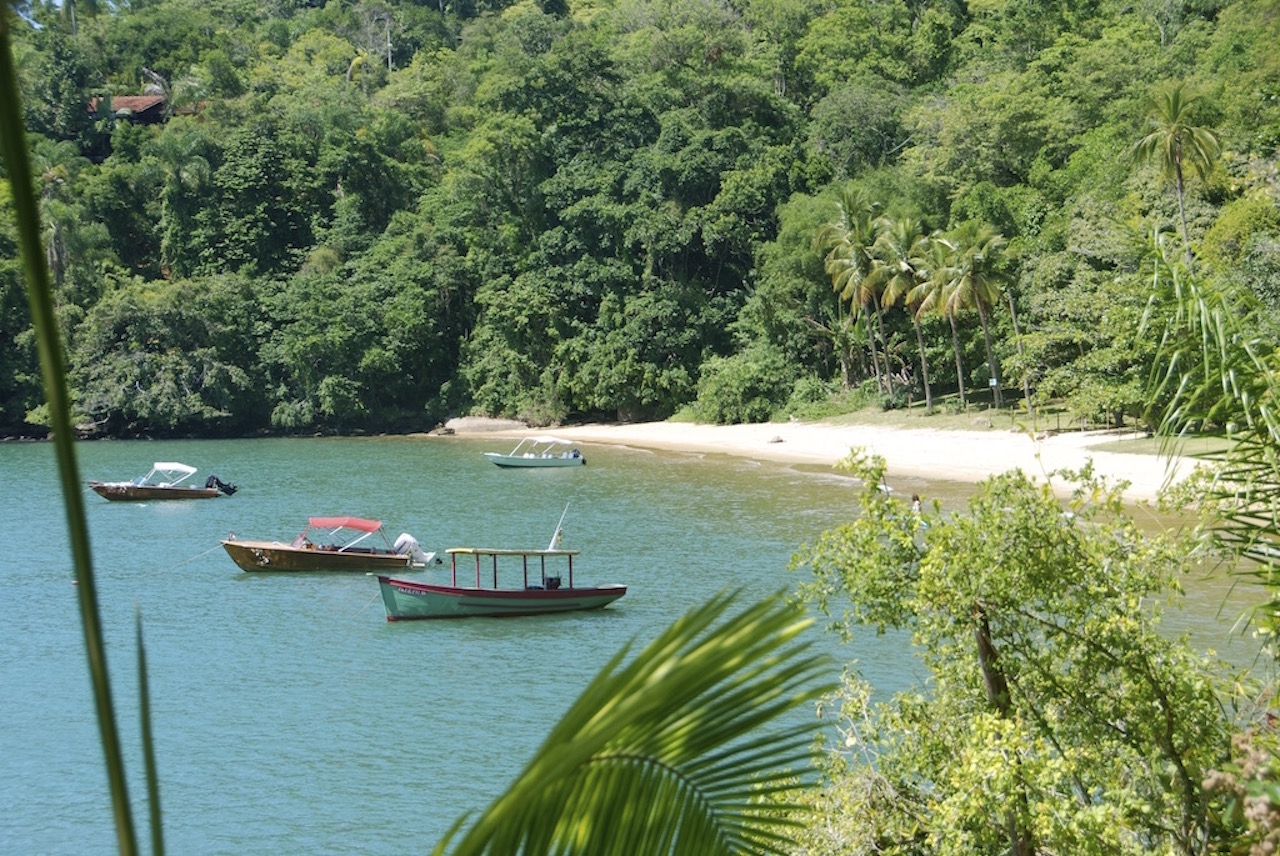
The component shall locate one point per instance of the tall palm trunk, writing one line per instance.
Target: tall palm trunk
(924, 366)
(1017, 335)
(888, 373)
(991, 359)
(1182, 208)
(844, 350)
(871, 343)
(955, 344)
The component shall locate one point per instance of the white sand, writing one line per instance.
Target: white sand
(961, 456)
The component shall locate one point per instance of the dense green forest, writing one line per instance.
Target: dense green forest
(368, 216)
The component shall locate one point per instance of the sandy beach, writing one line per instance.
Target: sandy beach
(951, 455)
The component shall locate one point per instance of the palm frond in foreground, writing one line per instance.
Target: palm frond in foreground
(665, 754)
(1221, 367)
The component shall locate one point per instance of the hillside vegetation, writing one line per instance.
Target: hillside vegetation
(368, 216)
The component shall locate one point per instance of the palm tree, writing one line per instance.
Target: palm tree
(68, 12)
(1174, 141)
(185, 172)
(848, 242)
(899, 253)
(1220, 362)
(975, 282)
(56, 164)
(930, 295)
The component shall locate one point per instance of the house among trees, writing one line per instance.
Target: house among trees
(139, 109)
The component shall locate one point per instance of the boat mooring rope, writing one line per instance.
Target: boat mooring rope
(193, 558)
(377, 594)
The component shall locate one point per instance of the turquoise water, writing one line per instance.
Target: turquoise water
(288, 714)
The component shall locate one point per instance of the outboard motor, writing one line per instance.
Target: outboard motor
(214, 481)
(406, 543)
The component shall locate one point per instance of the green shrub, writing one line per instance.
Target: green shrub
(747, 387)
(813, 398)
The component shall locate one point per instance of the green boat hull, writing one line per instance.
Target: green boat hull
(410, 600)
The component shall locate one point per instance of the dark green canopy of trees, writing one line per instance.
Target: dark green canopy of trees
(368, 216)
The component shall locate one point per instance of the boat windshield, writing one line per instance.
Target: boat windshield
(169, 472)
(538, 445)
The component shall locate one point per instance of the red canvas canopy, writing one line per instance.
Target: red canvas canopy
(349, 522)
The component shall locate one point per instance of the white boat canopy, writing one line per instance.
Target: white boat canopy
(172, 471)
(172, 467)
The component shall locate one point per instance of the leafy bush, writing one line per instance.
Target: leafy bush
(747, 387)
(1041, 635)
(813, 398)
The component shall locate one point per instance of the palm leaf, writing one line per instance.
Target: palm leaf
(1219, 368)
(663, 754)
(148, 745)
(13, 152)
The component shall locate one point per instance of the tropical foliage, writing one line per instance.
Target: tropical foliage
(1057, 716)
(370, 216)
(554, 210)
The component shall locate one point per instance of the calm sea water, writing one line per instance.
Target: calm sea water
(289, 716)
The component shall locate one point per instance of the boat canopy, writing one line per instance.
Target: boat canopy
(172, 467)
(346, 522)
(530, 445)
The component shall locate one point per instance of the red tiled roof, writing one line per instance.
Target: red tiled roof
(128, 103)
(135, 103)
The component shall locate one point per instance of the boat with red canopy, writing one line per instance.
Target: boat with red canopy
(331, 544)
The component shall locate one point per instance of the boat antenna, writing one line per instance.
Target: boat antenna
(555, 536)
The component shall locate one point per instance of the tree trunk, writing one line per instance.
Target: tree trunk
(955, 344)
(844, 351)
(1182, 210)
(888, 372)
(991, 359)
(1017, 334)
(924, 367)
(1020, 840)
(871, 343)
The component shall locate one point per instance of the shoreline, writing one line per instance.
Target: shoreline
(948, 455)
